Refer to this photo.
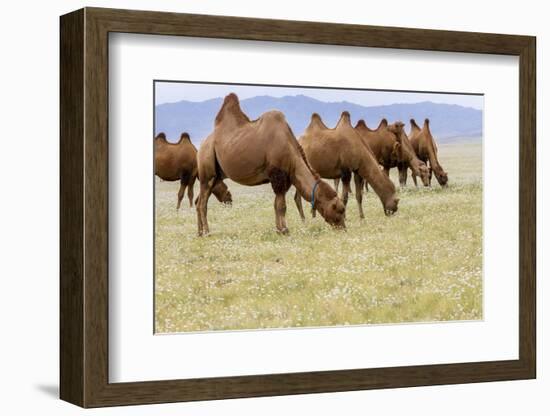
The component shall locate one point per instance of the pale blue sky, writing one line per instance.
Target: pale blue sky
(166, 92)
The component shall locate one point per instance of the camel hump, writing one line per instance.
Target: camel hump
(161, 136)
(361, 124)
(383, 123)
(427, 123)
(345, 119)
(184, 138)
(413, 124)
(275, 115)
(231, 98)
(316, 121)
(231, 109)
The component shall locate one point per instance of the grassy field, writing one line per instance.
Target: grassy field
(423, 264)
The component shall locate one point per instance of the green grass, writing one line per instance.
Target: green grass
(423, 264)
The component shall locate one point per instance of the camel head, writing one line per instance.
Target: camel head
(330, 206)
(441, 176)
(227, 198)
(397, 131)
(407, 153)
(388, 197)
(390, 205)
(222, 194)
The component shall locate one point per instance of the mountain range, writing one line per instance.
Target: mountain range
(448, 122)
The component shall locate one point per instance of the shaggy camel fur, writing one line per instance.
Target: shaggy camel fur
(425, 147)
(339, 152)
(178, 162)
(392, 148)
(258, 152)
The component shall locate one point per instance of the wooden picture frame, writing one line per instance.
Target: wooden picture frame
(84, 207)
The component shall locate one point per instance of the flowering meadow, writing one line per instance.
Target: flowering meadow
(424, 264)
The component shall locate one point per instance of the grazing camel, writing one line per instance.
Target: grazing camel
(339, 152)
(391, 148)
(257, 152)
(178, 162)
(425, 148)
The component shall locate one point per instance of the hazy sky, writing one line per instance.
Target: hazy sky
(167, 92)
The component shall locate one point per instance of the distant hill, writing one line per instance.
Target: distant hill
(447, 121)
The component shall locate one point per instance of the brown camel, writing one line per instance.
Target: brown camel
(178, 162)
(258, 152)
(339, 152)
(425, 147)
(391, 148)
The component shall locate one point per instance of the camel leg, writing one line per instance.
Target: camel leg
(298, 200)
(280, 212)
(387, 171)
(190, 190)
(359, 194)
(181, 192)
(345, 192)
(414, 179)
(403, 176)
(202, 206)
(336, 184)
(346, 188)
(430, 177)
(280, 182)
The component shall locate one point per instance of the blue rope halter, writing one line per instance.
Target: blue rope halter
(313, 194)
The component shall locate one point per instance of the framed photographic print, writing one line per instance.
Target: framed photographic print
(257, 207)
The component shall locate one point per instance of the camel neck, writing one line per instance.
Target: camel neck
(434, 163)
(377, 179)
(413, 161)
(304, 180)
